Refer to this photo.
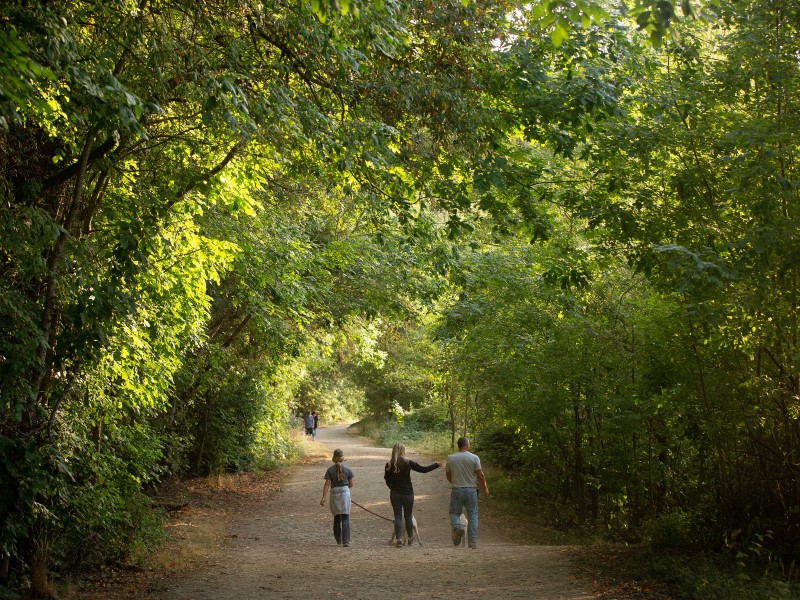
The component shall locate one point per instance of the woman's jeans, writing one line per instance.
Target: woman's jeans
(466, 498)
(341, 528)
(402, 503)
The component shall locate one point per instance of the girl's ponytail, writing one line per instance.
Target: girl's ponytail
(338, 457)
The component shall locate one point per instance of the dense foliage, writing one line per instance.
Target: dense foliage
(565, 228)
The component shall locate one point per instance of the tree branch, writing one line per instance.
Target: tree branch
(208, 175)
(65, 175)
(45, 345)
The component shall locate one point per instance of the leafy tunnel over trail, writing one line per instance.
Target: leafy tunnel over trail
(565, 229)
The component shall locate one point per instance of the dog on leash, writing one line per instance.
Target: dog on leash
(405, 534)
(464, 524)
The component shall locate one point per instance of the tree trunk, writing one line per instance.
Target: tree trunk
(204, 435)
(5, 560)
(465, 429)
(50, 311)
(40, 562)
(451, 413)
(580, 484)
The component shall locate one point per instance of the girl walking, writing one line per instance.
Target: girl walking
(397, 475)
(339, 480)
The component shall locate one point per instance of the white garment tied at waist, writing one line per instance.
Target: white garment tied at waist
(340, 500)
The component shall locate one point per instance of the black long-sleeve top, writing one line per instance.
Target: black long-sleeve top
(400, 483)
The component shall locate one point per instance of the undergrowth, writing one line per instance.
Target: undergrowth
(684, 575)
(387, 432)
(658, 561)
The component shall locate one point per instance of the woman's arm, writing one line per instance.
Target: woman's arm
(420, 469)
(325, 491)
(350, 482)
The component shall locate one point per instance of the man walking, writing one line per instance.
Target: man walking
(465, 475)
(308, 422)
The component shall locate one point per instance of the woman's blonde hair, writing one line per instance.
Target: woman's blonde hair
(398, 458)
(338, 458)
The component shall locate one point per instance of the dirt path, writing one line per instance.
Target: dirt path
(288, 551)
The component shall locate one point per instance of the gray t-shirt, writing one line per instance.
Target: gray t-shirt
(330, 475)
(462, 466)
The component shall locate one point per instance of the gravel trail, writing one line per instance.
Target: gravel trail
(286, 549)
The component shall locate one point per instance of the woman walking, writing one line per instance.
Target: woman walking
(401, 493)
(339, 480)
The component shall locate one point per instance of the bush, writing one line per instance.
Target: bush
(502, 446)
(712, 577)
(386, 431)
(669, 530)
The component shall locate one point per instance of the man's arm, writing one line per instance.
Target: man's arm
(482, 481)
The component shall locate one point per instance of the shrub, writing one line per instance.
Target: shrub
(669, 530)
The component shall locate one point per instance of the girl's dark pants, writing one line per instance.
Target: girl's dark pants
(402, 504)
(341, 528)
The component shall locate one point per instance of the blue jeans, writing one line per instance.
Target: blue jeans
(341, 528)
(402, 503)
(466, 498)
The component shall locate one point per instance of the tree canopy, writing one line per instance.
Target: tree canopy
(565, 228)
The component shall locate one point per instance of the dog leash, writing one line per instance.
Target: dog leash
(370, 512)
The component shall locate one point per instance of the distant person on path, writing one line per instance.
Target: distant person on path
(308, 423)
(316, 422)
(397, 475)
(465, 475)
(339, 480)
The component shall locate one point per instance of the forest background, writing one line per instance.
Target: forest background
(566, 229)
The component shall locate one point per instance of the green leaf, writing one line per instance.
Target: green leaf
(559, 34)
